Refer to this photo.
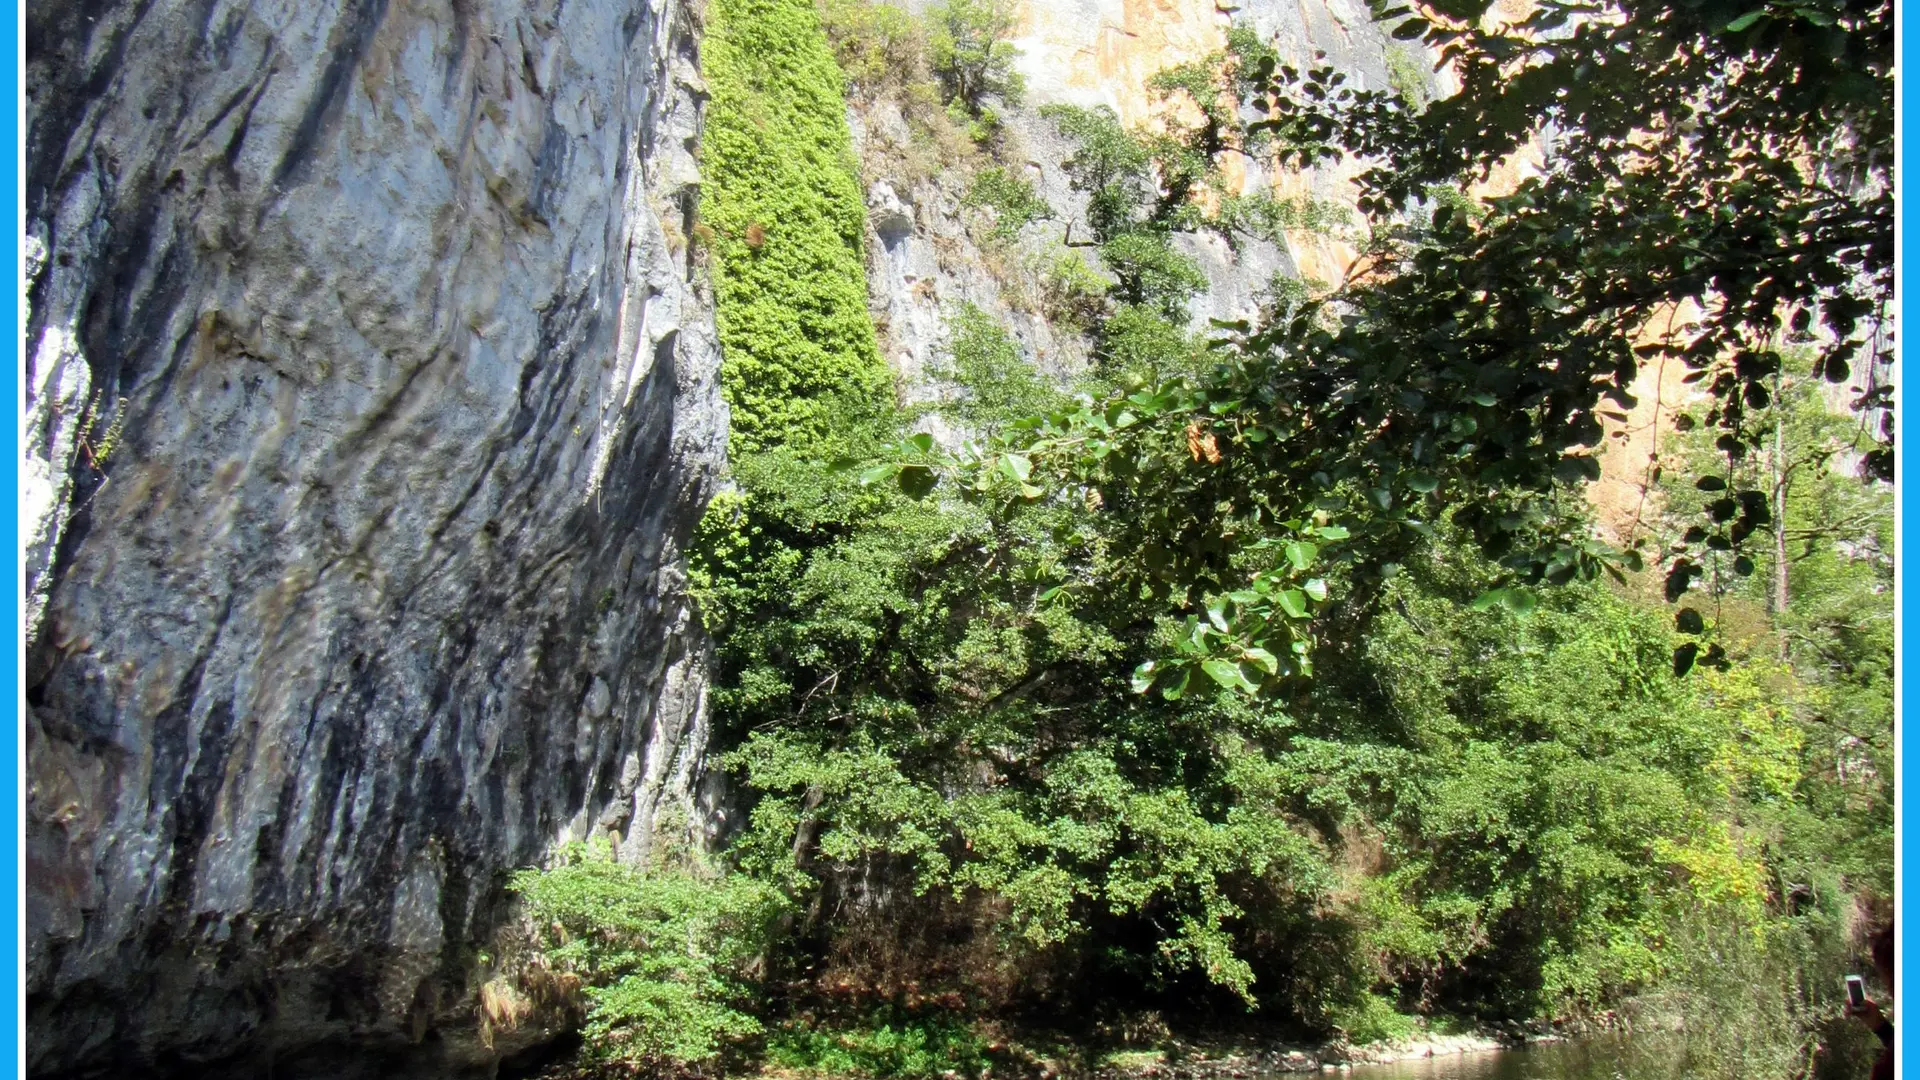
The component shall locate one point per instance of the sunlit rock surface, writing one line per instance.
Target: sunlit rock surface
(384, 312)
(1093, 53)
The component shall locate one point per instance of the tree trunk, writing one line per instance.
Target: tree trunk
(1780, 594)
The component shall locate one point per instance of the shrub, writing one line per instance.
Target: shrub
(1072, 294)
(1109, 163)
(1269, 218)
(1010, 196)
(1137, 342)
(1150, 271)
(878, 46)
(661, 951)
(1373, 1018)
(997, 383)
(890, 1043)
(1408, 77)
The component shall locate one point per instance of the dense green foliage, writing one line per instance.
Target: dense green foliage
(990, 377)
(1829, 615)
(661, 952)
(1232, 685)
(785, 204)
(876, 44)
(887, 1043)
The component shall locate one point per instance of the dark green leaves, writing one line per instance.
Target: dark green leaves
(917, 481)
(1519, 601)
(1680, 577)
(1683, 658)
(915, 475)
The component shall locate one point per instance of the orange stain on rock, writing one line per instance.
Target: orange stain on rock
(1107, 55)
(1629, 451)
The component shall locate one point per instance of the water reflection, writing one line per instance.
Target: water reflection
(1586, 1059)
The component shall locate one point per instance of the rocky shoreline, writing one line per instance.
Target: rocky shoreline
(1181, 1062)
(1329, 1057)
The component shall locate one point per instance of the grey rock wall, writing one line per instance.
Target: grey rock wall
(925, 254)
(384, 311)
(922, 257)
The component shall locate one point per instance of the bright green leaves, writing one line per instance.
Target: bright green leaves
(785, 211)
(1078, 838)
(988, 381)
(972, 51)
(1109, 163)
(1261, 659)
(1147, 270)
(1292, 602)
(1300, 553)
(663, 952)
(943, 670)
(1228, 675)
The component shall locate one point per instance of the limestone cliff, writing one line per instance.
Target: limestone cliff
(372, 398)
(1089, 53)
(924, 257)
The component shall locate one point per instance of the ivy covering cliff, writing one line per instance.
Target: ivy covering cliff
(784, 213)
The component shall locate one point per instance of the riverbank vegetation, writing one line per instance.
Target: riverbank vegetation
(1275, 676)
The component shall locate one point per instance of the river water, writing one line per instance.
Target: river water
(1585, 1059)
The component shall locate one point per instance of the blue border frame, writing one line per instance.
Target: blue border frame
(1907, 106)
(11, 864)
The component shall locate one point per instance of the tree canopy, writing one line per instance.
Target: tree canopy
(1727, 162)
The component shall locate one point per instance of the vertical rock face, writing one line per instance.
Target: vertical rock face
(371, 400)
(1103, 53)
